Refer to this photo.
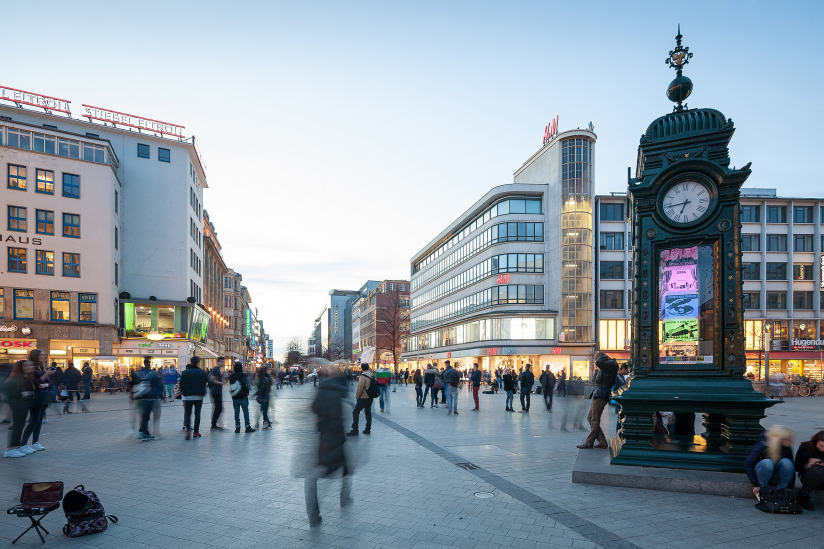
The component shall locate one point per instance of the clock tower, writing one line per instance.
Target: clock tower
(687, 316)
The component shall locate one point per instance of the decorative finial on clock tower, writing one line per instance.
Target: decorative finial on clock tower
(680, 88)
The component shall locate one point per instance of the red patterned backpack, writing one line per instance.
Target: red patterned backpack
(84, 513)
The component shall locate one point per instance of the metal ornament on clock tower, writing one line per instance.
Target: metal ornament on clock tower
(687, 345)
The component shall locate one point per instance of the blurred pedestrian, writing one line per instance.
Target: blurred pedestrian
(809, 464)
(146, 389)
(170, 378)
(547, 380)
(239, 389)
(19, 389)
(71, 380)
(475, 381)
(40, 402)
(562, 383)
(193, 382)
(86, 379)
(430, 376)
(770, 464)
(264, 389)
(364, 396)
(527, 380)
(606, 373)
(452, 377)
(5, 410)
(384, 377)
(216, 384)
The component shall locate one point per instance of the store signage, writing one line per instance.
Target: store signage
(18, 343)
(46, 102)
(25, 331)
(822, 271)
(492, 351)
(21, 239)
(5, 328)
(165, 345)
(132, 121)
(503, 279)
(144, 344)
(551, 130)
(82, 350)
(248, 315)
(804, 343)
(556, 351)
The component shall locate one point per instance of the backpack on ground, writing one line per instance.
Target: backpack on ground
(783, 501)
(84, 513)
(372, 390)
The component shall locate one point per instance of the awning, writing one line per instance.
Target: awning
(206, 352)
(618, 355)
(795, 355)
(105, 358)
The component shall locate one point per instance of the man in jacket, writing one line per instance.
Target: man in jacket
(451, 377)
(216, 384)
(527, 380)
(86, 379)
(146, 388)
(71, 378)
(364, 402)
(547, 386)
(429, 376)
(606, 373)
(193, 383)
(475, 378)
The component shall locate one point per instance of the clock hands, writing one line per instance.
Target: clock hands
(684, 206)
(676, 205)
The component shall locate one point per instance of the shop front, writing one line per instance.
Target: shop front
(809, 364)
(14, 349)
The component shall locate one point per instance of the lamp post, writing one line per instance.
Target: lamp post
(767, 345)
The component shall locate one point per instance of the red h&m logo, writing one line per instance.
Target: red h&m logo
(492, 351)
(503, 279)
(556, 350)
(551, 130)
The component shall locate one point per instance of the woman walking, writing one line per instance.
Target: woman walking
(239, 389)
(418, 379)
(264, 391)
(19, 389)
(509, 387)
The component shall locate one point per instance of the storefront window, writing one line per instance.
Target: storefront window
(88, 307)
(60, 306)
(143, 318)
(24, 304)
(754, 334)
(613, 335)
(580, 370)
(780, 334)
(165, 319)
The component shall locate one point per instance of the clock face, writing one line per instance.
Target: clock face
(686, 202)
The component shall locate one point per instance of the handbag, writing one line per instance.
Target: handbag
(42, 399)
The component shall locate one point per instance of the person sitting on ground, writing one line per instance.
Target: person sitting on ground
(809, 464)
(770, 464)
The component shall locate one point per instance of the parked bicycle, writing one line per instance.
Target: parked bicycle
(808, 388)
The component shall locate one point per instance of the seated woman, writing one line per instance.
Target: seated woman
(809, 464)
(770, 463)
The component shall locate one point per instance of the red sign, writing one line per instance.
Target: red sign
(556, 350)
(115, 117)
(16, 343)
(551, 130)
(449, 355)
(35, 100)
(492, 351)
(503, 279)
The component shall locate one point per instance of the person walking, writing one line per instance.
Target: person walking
(146, 389)
(19, 390)
(562, 383)
(475, 380)
(452, 378)
(384, 377)
(509, 387)
(429, 376)
(605, 375)
(193, 382)
(417, 379)
(314, 377)
(809, 464)
(56, 380)
(216, 384)
(364, 394)
(170, 378)
(86, 379)
(40, 402)
(239, 389)
(71, 379)
(527, 380)
(331, 454)
(264, 390)
(547, 380)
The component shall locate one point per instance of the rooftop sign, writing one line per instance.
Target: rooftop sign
(46, 102)
(132, 121)
(551, 130)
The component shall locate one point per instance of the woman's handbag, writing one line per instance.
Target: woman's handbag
(42, 398)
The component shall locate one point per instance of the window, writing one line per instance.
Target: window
(629, 269)
(17, 219)
(88, 307)
(45, 181)
(751, 242)
(751, 271)
(163, 155)
(391, 287)
(752, 300)
(612, 212)
(71, 185)
(612, 241)
(750, 214)
(45, 222)
(803, 243)
(776, 300)
(802, 271)
(45, 262)
(116, 238)
(45, 143)
(116, 200)
(94, 153)
(403, 287)
(17, 177)
(611, 270)
(802, 300)
(116, 277)
(71, 265)
(802, 214)
(24, 304)
(19, 139)
(776, 271)
(142, 151)
(776, 243)
(68, 148)
(71, 225)
(60, 306)
(612, 299)
(17, 260)
(776, 214)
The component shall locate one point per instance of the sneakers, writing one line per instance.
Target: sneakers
(474, 409)
(146, 437)
(237, 429)
(196, 434)
(216, 428)
(267, 426)
(13, 453)
(37, 447)
(352, 433)
(26, 450)
(584, 446)
(44, 420)
(456, 413)
(449, 413)
(367, 431)
(5, 421)
(188, 434)
(250, 429)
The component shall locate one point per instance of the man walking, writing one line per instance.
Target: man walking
(605, 376)
(527, 381)
(216, 384)
(146, 389)
(547, 386)
(384, 377)
(86, 379)
(364, 394)
(452, 378)
(429, 376)
(71, 377)
(475, 379)
(193, 383)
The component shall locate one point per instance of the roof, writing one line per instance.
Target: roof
(680, 124)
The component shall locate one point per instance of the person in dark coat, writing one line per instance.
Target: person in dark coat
(331, 454)
(71, 378)
(547, 380)
(604, 380)
(809, 464)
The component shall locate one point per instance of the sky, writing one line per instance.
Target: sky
(341, 137)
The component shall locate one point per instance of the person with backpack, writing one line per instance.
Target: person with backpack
(475, 381)
(384, 378)
(193, 383)
(770, 464)
(547, 380)
(809, 464)
(430, 376)
(146, 388)
(452, 377)
(527, 380)
(216, 384)
(239, 389)
(366, 392)
(509, 387)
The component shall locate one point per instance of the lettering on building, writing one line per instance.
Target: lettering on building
(551, 130)
(48, 103)
(132, 121)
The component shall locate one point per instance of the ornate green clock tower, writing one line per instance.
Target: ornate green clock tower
(687, 314)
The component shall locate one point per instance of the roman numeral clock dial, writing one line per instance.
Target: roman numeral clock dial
(686, 202)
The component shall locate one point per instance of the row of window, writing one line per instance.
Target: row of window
(23, 301)
(194, 261)
(44, 222)
(496, 234)
(194, 232)
(778, 243)
(194, 291)
(44, 180)
(504, 263)
(194, 202)
(778, 214)
(614, 270)
(49, 144)
(778, 300)
(504, 207)
(18, 259)
(489, 329)
(777, 271)
(496, 295)
(144, 151)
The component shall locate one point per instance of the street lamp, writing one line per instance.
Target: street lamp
(767, 345)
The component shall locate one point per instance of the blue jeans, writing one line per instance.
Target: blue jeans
(419, 398)
(509, 399)
(86, 386)
(426, 390)
(774, 474)
(452, 398)
(384, 398)
(237, 404)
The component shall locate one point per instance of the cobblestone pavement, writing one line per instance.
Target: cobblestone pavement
(512, 489)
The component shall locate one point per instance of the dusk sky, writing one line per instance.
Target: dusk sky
(341, 137)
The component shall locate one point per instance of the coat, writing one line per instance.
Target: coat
(329, 409)
(803, 456)
(364, 380)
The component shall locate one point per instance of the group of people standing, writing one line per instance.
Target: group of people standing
(28, 392)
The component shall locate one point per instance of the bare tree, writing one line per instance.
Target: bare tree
(337, 351)
(391, 328)
(294, 351)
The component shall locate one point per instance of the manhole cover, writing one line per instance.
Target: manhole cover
(467, 466)
(484, 495)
